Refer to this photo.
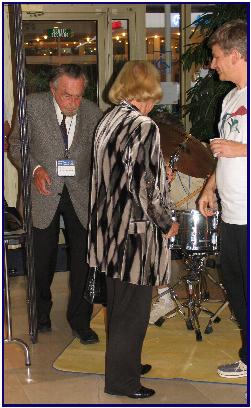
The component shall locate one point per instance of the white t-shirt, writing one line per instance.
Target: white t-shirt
(231, 173)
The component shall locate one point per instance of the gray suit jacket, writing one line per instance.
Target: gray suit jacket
(46, 146)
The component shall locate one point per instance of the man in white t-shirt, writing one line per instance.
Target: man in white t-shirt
(229, 50)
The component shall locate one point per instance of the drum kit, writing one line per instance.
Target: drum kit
(198, 236)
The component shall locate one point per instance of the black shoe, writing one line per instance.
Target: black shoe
(145, 368)
(143, 392)
(86, 336)
(44, 325)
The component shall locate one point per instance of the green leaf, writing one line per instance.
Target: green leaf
(204, 99)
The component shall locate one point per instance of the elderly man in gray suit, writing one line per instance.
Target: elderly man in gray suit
(61, 125)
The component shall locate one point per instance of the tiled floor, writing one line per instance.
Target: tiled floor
(41, 384)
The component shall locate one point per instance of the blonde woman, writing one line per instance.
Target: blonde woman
(130, 221)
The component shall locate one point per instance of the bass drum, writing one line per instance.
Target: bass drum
(196, 232)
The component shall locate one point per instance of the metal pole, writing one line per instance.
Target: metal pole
(168, 48)
(185, 18)
(26, 174)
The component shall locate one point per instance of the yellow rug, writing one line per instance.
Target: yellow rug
(171, 349)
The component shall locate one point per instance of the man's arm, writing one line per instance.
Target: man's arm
(208, 200)
(41, 178)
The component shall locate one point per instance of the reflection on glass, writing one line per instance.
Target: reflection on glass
(166, 59)
(163, 50)
(120, 41)
(49, 43)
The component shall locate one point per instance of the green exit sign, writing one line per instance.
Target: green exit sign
(59, 33)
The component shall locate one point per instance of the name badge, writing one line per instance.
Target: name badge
(66, 167)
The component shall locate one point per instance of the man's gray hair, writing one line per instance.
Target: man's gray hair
(231, 35)
(72, 70)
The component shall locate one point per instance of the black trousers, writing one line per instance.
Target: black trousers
(234, 275)
(45, 257)
(128, 311)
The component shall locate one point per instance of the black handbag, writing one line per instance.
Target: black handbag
(95, 290)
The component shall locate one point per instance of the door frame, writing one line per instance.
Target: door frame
(103, 14)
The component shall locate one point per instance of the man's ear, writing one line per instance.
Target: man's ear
(52, 89)
(236, 56)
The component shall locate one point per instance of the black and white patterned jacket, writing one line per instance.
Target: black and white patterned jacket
(130, 206)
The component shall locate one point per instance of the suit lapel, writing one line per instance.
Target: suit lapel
(53, 121)
(81, 127)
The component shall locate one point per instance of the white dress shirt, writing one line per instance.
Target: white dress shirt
(70, 122)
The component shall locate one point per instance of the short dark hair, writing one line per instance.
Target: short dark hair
(71, 70)
(231, 35)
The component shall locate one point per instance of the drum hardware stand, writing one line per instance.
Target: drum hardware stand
(14, 238)
(195, 282)
(215, 318)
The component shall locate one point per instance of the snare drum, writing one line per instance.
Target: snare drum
(196, 232)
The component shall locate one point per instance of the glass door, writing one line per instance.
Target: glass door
(100, 38)
(53, 42)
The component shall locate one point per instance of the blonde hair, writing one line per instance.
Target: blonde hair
(138, 80)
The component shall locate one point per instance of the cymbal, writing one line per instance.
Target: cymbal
(195, 159)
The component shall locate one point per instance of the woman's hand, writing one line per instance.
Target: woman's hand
(173, 230)
(170, 174)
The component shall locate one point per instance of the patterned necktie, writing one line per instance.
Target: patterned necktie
(64, 132)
